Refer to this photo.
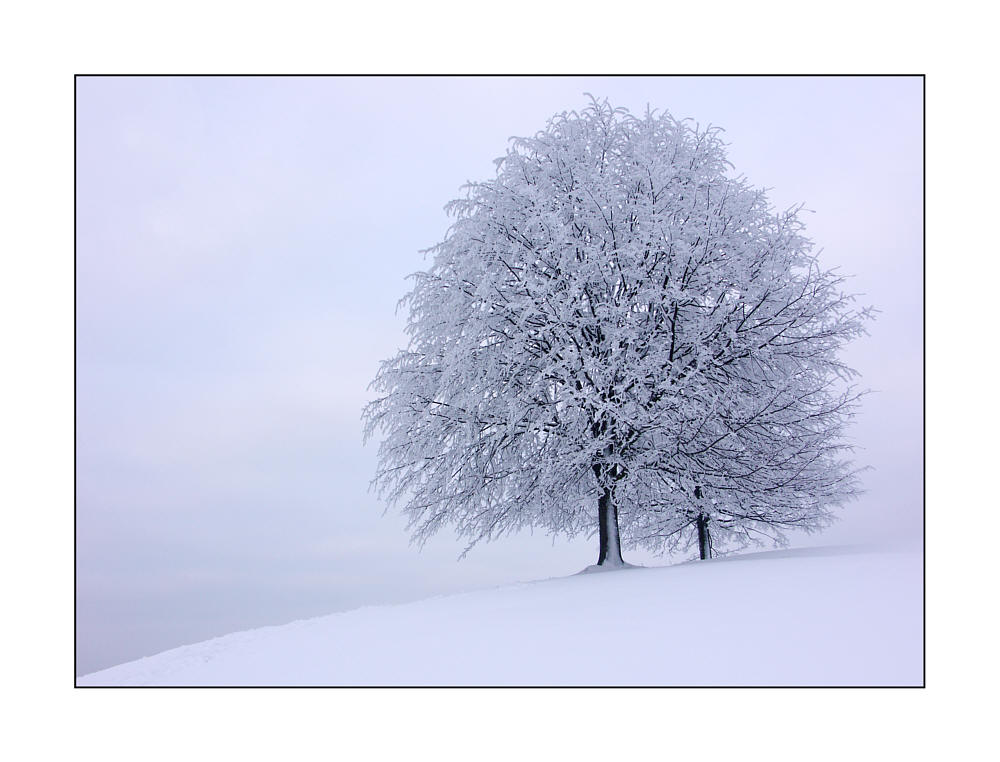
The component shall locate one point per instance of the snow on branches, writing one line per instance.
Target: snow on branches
(614, 319)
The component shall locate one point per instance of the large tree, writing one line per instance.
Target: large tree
(616, 319)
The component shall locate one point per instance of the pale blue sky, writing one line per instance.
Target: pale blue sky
(241, 246)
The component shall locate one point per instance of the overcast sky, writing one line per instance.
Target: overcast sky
(241, 247)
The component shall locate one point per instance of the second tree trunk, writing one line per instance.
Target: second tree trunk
(704, 538)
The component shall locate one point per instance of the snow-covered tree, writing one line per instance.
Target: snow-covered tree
(615, 319)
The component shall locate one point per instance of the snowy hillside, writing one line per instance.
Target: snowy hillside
(820, 616)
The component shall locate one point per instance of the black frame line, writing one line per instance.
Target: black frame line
(923, 77)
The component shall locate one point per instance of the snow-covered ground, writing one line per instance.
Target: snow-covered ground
(816, 616)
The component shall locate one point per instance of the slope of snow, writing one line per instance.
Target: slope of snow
(820, 616)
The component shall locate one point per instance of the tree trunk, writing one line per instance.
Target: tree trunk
(704, 538)
(607, 517)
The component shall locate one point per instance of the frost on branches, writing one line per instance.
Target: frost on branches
(616, 335)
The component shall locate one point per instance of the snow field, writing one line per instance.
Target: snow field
(820, 616)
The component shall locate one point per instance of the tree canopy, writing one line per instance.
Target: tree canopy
(617, 334)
